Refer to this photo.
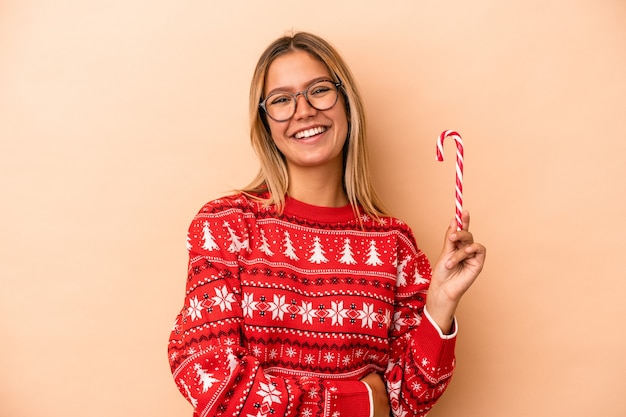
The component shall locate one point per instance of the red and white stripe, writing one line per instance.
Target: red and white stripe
(459, 170)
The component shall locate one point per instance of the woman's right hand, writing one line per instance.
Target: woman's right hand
(379, 394)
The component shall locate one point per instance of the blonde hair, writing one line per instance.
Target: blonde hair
(273, 175)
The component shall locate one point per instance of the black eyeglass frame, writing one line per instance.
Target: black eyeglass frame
(337, 85)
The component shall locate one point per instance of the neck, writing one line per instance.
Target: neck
(317, 187)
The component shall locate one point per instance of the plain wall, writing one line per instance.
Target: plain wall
(120, 119)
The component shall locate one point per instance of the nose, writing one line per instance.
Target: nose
(303, 107)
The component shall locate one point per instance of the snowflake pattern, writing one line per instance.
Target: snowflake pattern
(195, 309)
(307, 312)
(416, 386)
(367, 315)
(248, 304)
(335, 314)
(269, 393)
(278, 307)
(224, 299)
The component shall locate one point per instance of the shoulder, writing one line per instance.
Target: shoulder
(223, 225)
(390, 225)
(234, 203)
(236, 211)
(386, 223)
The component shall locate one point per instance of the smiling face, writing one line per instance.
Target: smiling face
(311, 138)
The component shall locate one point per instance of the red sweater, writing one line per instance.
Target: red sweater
(284, 314)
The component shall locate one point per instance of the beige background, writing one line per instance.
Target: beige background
(119, 119)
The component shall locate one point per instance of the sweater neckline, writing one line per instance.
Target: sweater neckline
(323, 214)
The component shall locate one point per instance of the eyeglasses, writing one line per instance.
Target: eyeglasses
(281, 106)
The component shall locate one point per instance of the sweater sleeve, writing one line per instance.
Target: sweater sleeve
(209, 361)
(421, 358)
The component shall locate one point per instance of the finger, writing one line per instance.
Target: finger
(462, 237)
(449, 244)
(478, 252)
(474, 250)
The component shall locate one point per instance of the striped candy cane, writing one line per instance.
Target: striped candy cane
(459, 170)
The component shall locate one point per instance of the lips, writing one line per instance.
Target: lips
(303, 134)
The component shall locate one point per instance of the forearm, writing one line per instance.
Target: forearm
(217, 374)
(442, 312)
(421, 367)
(235, 383)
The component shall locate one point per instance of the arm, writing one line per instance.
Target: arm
(423, 341)
(422, 344)
(459, 264)
(210, 362)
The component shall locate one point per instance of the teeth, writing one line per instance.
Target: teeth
(310, 132)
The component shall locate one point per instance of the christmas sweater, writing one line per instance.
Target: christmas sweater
(284, 313)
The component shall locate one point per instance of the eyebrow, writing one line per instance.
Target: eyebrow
(310, 83)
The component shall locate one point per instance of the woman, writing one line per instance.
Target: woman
(304, 297)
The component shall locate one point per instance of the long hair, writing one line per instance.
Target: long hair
(273, 175)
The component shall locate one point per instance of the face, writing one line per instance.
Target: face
(311, 138)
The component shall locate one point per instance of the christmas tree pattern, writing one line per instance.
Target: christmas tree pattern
(236, 244)
(192, 400)
(317, 252)
(419, 279)
(400, 274)
(373, 257)
(207, 236)
(394, 261)
(265, 247)
(346, 253)
(233, 362)
(206, 379)
(289, 249)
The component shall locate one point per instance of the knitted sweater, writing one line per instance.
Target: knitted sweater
(284, 313)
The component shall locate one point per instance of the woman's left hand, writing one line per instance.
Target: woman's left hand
(457, 268)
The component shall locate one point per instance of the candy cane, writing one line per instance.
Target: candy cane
(459, 170)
